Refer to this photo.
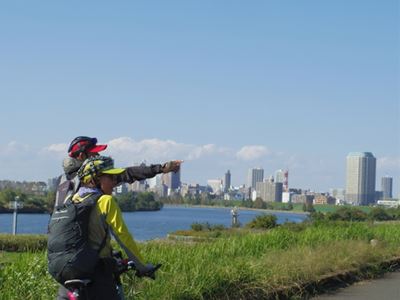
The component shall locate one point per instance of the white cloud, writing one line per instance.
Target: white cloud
(153, 150)
(252, 152)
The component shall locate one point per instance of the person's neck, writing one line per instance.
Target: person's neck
(84, 190)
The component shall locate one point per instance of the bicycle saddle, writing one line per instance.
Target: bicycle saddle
(76, 283)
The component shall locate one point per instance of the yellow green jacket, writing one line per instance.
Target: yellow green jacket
(106, 219)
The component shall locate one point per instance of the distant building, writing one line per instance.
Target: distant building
(161, 190)
(283, 177)
(389, 203)
(386, 187)
(337, 193)
(215, 185)
(52, 183)
(324, 199)
(29, 187)
(379, 195)
(254, 176)
(138, 186)
(287, 197)
(269, 190)
(360, 178)
(303, 198)
(172, 180)
(121, 189)
(227, 181)
(279, 176)
(192, 189)
(155, 181)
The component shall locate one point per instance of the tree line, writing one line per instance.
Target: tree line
(31, 203)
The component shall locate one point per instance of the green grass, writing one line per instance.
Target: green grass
(324, 208)
(249, 266)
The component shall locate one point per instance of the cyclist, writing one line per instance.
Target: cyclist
(98, 176)
(83, 147)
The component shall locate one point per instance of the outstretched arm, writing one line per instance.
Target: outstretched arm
(133, 174)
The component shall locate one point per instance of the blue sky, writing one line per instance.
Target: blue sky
(220, 84)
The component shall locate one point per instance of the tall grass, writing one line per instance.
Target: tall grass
(237, 267)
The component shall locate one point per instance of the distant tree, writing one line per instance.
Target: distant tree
(347, 214)
(247, 203)
(394, 213)
(127, 201)
(259, 203)
(380, 214)
(308, 207)
(6, 196)
(317, 216)
(263, 222)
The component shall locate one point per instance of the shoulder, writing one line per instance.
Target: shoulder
(106, 202)
(105, 198)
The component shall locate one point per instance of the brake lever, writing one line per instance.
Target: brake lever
(152, 273)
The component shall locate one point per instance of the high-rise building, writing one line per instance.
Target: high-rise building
(360, 178)
(254, 176)
(155, 181)
(227, 181)
(282, 176)
(386, 186)
(269, 191)
(172, 180)
(279, 175)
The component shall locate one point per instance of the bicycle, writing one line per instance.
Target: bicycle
(77, 287)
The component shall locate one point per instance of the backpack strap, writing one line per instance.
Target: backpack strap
(92, 200)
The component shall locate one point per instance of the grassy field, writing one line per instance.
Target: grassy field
(249, 266)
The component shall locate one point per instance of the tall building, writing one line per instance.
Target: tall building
(279, 175)
(254, 176)
(269, 190)
(282, 177)
(386, 186)
(172, 180)
(360, 178)
(227, 181)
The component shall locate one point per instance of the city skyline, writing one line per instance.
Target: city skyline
(257, 174)
(222, 85)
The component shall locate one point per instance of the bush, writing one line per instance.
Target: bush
(23, 243)
(263, 222)
(197, 226)
(308, 207)
(207, 227)
(379, 214)
(347, 214)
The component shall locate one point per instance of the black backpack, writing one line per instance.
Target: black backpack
(68, 251)
(66, 187)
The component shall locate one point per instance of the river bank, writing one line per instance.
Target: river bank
(269, 211)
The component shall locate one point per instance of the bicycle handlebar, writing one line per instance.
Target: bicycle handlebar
(124, 265)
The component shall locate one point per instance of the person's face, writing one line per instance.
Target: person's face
(107, 183)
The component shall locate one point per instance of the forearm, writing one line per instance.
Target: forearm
(132, 174)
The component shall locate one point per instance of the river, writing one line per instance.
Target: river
(153, 224)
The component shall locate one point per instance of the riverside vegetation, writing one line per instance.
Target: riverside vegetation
(44, 203)
(252, 263)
